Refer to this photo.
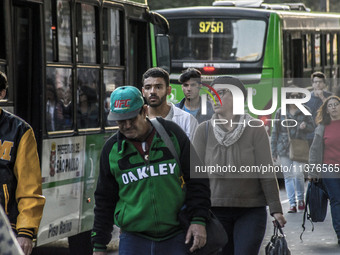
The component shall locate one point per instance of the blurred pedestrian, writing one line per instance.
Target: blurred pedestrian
(192, 101)
(325, 155)
(142, 188)
(8, 243)
(238, 199)
(280, 139)
(156, 87)
(21, 192)
(337, 91)
(318, 96)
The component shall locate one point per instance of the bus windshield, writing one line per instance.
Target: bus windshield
(217, 39)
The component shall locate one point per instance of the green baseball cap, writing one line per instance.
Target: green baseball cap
(125, 103)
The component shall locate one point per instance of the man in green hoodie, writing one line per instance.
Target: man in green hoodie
(142, 188)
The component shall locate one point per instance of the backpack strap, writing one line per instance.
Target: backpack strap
(164, 135)
(305, 213)
(166, 139)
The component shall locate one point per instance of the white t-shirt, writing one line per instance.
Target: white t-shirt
(183, 119)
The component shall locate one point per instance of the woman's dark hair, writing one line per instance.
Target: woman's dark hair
(322, 116)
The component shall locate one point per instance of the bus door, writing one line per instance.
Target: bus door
(27, 63)
(138, 53)
(3, 36)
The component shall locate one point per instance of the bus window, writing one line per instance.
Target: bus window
(112, 34)
(317, 45)
(287, 55)
(86, 33)
(112, 80)
(59, 105)
(64, 30)
(2, 42)
(217, 39)
(328, 49)
(163, 52)
(335, 49)
(138, 52)
(308, 52)
(338, 44)
(88, 98)
(49, 31)
(2, 33)
(58, 31)
(3, 69)
(297, 57)
(323, 50)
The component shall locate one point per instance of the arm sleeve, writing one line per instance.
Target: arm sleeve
(316, 152)
(198, 190)
(29, 190)
(310, 126)
(193, 127)
(106, 197)
(200, 140)
(197, 199)
(268, 180)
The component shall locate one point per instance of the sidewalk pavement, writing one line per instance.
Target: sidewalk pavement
(322, 241)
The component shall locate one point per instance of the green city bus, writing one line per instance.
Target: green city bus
(63, 58)
(266, 46)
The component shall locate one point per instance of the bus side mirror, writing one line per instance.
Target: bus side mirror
(163, 52)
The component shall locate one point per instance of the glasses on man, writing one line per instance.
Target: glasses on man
(221, 93)
(333, 105)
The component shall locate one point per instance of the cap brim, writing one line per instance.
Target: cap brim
(123, 116)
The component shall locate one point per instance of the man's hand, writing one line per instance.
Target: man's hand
(303, 125)
(26, 245)
(200, 236)
(319, 93)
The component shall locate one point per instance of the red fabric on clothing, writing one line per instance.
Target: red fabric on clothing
(138, 144)
(331, 140)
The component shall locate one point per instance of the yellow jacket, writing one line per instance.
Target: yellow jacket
(20, 175)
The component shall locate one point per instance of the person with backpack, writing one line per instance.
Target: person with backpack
(280, 145)
(324, 156)
(318, 96)
(142, 187)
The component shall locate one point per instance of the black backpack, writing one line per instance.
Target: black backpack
(316, 204)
